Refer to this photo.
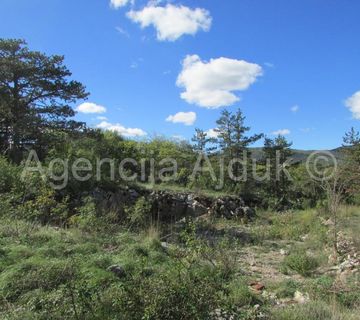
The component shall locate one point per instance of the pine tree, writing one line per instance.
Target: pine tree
(276, 152)
(35, 97)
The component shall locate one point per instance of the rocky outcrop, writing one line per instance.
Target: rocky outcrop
(173, 206)
(170, 206)
(231, 207)
(115, 201)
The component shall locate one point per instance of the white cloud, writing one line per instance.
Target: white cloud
(171, 21)
(282, 132)
(102, 118)
(118, 128)
(211, 84)
(89, 107)
(353, 103)
(134, 65)
(116, 4)
(295, 108)
(187, 118)
(122, 31)
(211, 133)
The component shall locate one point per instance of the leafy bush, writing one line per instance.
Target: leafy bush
(171, 295)
(139, 216)
(9, 175)
(287, 289)
(301, 262)
(240, 294)
(45, 208)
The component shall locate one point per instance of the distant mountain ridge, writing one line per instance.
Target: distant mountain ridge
(300, 155)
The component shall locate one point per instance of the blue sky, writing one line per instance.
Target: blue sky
(268, 55)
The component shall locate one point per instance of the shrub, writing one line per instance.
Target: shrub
(139, 215)
(9, 175)
(287, 289)
(301, 262)
(240, 294)
(45, 208)
(171, 295)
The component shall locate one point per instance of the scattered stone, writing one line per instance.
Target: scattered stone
(269, 295)
(174, 206)
(300, 297)
(328, 222)
(165, 246)
(249, 212)
(119, 271)
(231, 207)
(284, 252)
(257, 286)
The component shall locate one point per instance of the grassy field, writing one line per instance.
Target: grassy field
(276, 267)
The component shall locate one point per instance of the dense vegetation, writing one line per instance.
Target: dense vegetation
(64, 256)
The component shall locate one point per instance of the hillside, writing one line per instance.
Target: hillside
(300, 155)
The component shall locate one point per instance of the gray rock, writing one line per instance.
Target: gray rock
(119, 271)
(231, 207)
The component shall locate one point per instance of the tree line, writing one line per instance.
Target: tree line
(36, 97)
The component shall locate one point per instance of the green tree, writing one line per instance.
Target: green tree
(201, 141)
(276, 153)
(351, 163)
(232, 131)
(352, 147)
(234, 144)
(35, 97)
(351, 138)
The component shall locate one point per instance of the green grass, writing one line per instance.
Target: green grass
(315, 310)
(55, 273)
(181, 189)
(289, 226)
(301, 262)
(51, 273)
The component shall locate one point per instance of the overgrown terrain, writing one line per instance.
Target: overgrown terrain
(96, 226)
(276, 267)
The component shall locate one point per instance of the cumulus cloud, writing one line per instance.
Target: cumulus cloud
(211, 84)
(102, 118)
(89, 107)
(118, 128)
(212, 133)
(187, 118)
(353, 103)
(295, 108)
(116, 4)
(171, 21)
(282, 132)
